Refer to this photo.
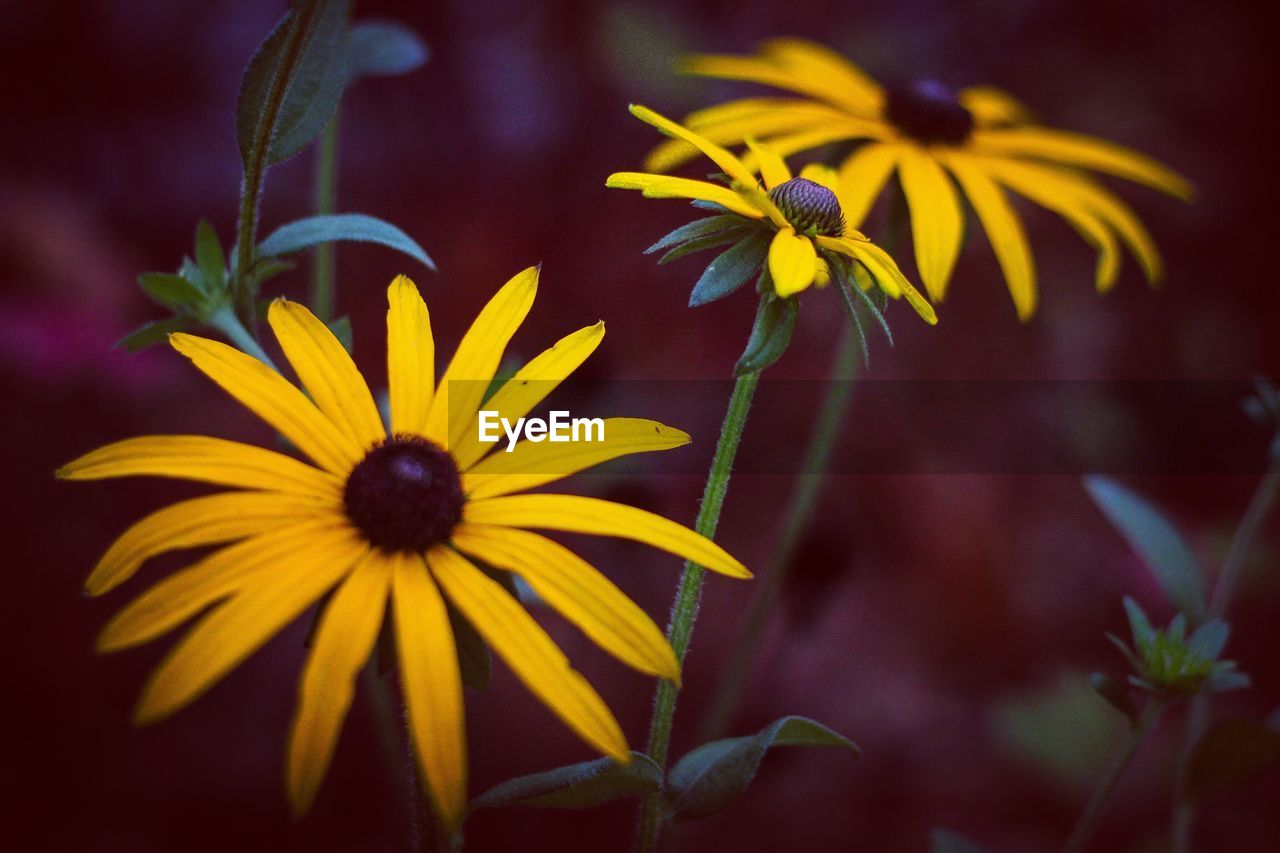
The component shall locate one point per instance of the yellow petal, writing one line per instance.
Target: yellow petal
(732, 122)
(770, 72)
(530, 653)
(273, 398)
(205, 459)
(575, 514)
(345, 637)
(295, 549)
(792, 262)
(1089, 152)
(474, 363)
(532, 464)
(937, 222)
(773, 169)
(843, 130)
(411, 357)
(862, 177)
(665, 186)
(840, 81)
(237, 629)
(1004, 231)
(432, 686)
(208, 520)
(884, 270)
(327, 372)
(728, 163)
(529, 386)
(991, 107)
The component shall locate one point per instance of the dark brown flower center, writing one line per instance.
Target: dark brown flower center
(405, 495)
(809, 206)
(928, 112)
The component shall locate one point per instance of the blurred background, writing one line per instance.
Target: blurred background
(945, 622)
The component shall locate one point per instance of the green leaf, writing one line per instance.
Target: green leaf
(1230, 753)
(1157, 541)
(383, 49)
(293, 82)
(946, 841)
(150, 334)
(209, 257)
(474, 658)
(730, 270)
(700, 244)
(697, 228)
(770, 335)
(172, 291)
(577, 786)
(314, 230)
(1139, 626)
(341, 328)
(712, 776)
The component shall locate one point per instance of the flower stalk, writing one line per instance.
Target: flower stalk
(324, 195)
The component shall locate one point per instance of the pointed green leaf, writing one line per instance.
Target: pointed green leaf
(314, 230)
(770, 336)
(731, 269)
(209, 257)
(576, 786)
(715, 774)
(1208, 641)
(697, 228)
(701, 244)
(172, 291)
(1139, 626)
(1230, 753)
(150, 334)
(383, 49)
(1157, 541)
(946, 841)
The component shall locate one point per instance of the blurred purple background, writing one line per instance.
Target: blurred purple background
(943, 622)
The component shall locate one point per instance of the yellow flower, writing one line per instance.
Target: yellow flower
(803, 213)
(387, 516)
(982, 136)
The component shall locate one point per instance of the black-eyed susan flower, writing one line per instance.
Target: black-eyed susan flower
(981, 137)
(793, 226)
(387, 520)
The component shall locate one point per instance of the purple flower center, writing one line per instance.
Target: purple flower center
(405, 495)
(928, 112)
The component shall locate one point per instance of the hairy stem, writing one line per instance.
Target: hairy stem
(324, 195)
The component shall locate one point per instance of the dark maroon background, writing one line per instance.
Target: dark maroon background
(921, 605)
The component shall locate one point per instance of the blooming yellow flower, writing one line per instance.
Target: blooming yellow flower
(982, 136)
(803, 212)
(387, 516)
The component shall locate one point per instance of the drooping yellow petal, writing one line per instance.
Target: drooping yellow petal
(345, 637)
(411, 357)
(237, 629)
(773, 169)
(530, 385)
(432, 686)
(792, 262)
(937, 221)
(1089, 152)
(843, 82)
(769, 71)
(532, 464)
(884, 270)
(843, 130)
(576, 514)
(476, 359)
(208, 520)
(730, 123)
(531, 654)
(992, 107)
(577, 591)
(277, 554)
(273, 398)
(1004, 231)
(327, 372)
(728, 163)
(665, 186)
(862, 177)
(205, 459)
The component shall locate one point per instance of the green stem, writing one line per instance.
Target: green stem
(1092, 814)
(685, 609)
(1198, 714)
(226, 321)
(800, 507)
(324, 198)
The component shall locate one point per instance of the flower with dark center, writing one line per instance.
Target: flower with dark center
(809, 207)
(928, 112)
(382, 522)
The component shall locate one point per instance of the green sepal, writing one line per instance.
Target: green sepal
(730, 270)
(701, 244)
(383, 49)
(770, 334)
(210, 259)
(1228, 754)
(694, 230)
(576, 786)
(1157, 542)
(311, 231)
(173, 291)
(713, 775)
(150, 334)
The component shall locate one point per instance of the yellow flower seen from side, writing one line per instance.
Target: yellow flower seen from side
(387, 520)
(804, 213)
(977, 143)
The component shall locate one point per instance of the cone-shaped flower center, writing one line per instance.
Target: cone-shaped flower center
(808, 205)
(405, 495)
(928, 112)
